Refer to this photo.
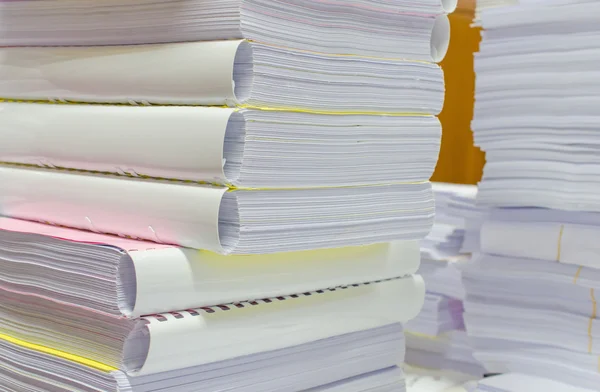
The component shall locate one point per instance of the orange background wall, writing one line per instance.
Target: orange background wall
(460, 161)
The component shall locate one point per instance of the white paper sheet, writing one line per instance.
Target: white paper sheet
(244, 148)
(211, 218)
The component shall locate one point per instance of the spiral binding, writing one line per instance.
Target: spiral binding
(251, 303)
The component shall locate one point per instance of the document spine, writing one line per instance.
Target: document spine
(162, 317)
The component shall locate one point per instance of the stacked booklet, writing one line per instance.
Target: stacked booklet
(213, 195)
(532, 300)
(436, 339)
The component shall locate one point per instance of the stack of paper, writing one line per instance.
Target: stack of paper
(214, 195)
(531, 303)
(436, 339)
(517, 382)
(536, 268)
(536, 98)
(455, 210)
(83, 311)
(416, 29)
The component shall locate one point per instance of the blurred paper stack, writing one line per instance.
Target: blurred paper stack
(531, 302)
(436, 339)
(518, 382)
(207, 195)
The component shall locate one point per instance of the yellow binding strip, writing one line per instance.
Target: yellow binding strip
(237, 107)
(559, 245)
(591, 321)
(57, 353)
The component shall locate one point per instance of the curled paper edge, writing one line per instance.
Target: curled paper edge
(449, 6)
(440, 38)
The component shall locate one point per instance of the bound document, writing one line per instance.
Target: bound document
(416, 30)
(230, 73)
(242, 148)
(216, 218)
(324, 366)
(124, 277)
(209, 335)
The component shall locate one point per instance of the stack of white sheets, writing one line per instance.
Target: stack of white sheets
(518, 382)
(203, 195)
(536, 268)
(531, 303)
(415, 29)
(436, 339)
(536, 97)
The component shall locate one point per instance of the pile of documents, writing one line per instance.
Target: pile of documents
(211, 196)
(518, 382)
(436, 339)
(531, 303)
(528, 277)
(536, 99)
